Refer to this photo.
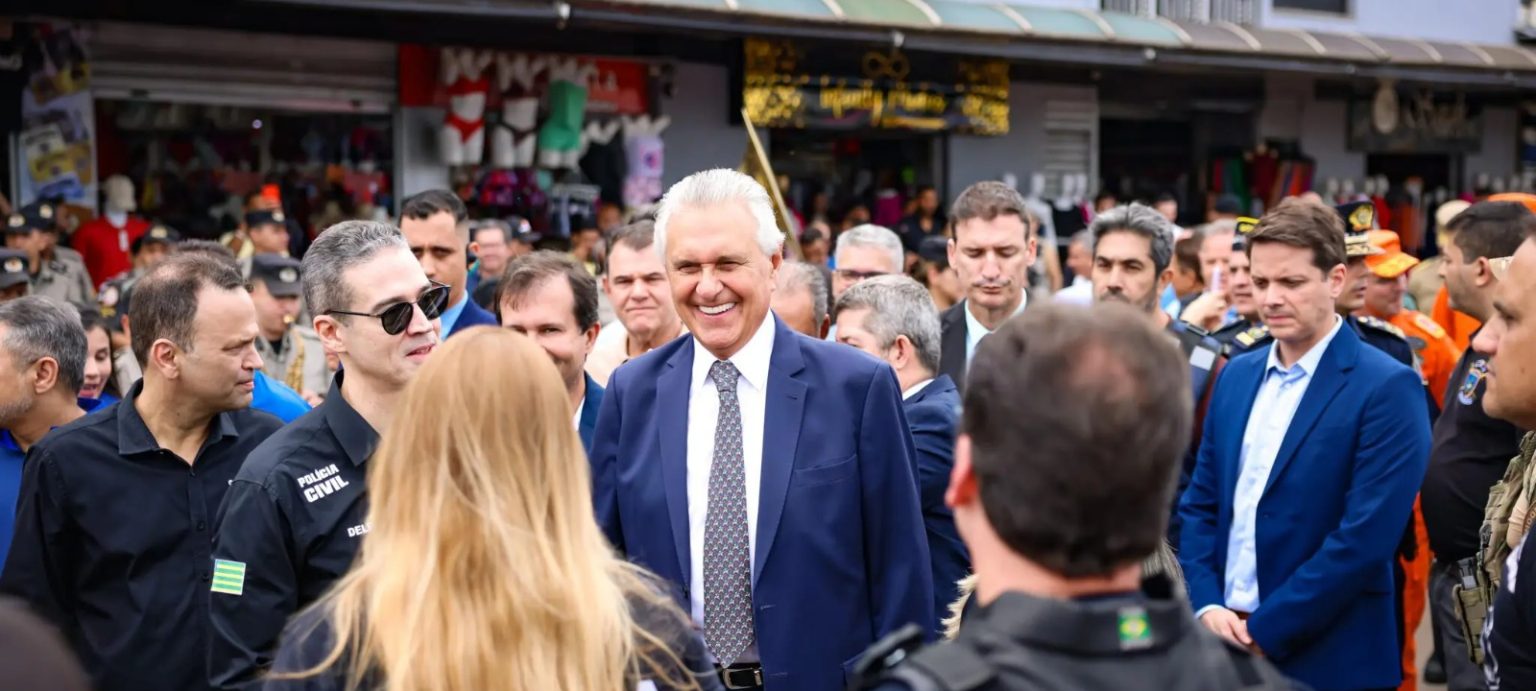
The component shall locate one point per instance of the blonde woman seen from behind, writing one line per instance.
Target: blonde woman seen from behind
(483, 567)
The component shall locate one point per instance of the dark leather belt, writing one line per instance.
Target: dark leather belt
(741, 676)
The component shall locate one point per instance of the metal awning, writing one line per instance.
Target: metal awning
(1183, 41)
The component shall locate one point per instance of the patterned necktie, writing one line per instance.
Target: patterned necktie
(727, 554)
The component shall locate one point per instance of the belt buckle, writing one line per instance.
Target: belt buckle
(742, 677)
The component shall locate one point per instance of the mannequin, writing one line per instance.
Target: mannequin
(463, 133)
(561, 134)
(642, 143)
(104, 243)
(515, 138)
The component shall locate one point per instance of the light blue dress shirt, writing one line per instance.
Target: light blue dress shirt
(1268, 420)
(450, 315)
(974, 331)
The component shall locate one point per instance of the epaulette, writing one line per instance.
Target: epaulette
(1380, 325)
(1429, 326)
(1248, 338)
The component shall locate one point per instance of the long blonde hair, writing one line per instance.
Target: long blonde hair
(484, 567)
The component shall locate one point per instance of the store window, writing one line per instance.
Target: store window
(1328, 6)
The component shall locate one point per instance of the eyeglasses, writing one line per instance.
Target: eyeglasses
(856, 276)
(396, 317)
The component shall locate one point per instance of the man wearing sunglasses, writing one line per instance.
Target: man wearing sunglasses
(436, 225)
(295, 515)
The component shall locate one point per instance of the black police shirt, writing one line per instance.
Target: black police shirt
(114, 537)
(1469, 453)
(290, 527)
(1510, 658)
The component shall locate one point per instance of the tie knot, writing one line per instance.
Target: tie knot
(723, 373)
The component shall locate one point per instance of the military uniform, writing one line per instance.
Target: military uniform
(113, 299)
(1118, 642)
(54, 278)
(298, 358)
(1242, 336)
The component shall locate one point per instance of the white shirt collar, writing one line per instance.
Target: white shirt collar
(973, 325)
(916, 388)
(576, 419)
(1308, 363)
(751, 361)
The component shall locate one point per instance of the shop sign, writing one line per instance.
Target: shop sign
(1421, 121)
(793, 86)
(57, 139)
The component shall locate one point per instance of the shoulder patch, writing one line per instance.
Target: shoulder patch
(1253, 335)
(1380, 325)
(1429, 326)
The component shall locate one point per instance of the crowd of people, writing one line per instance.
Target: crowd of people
(424, 456)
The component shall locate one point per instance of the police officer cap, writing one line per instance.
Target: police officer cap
(157, 234)
(279, 273)
(13, 268)
(934, 249)
(29, 218)
(1244, 227)
(1359, 221)
(265, 217)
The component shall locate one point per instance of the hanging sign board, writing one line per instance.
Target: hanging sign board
(794, 86)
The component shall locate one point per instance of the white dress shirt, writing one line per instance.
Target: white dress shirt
(1079, 293)
(974, 331)
(1279, 396)
(703, 415)
(916, 388)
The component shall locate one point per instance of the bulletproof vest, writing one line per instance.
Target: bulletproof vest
(1023, 643)
(1478, 578)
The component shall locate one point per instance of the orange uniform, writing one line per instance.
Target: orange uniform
(1458, 325)
(1436, 351)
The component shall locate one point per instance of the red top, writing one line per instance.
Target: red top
(105, 247)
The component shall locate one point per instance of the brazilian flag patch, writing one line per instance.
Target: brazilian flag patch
(1135, 632)
(228, 577)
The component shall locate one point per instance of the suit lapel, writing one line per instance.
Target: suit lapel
(1326, 383)
(952, 345)
(672, 397)
(785, 406)
(590, 404)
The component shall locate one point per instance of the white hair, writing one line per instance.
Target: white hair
(714, 187)
(878, 237)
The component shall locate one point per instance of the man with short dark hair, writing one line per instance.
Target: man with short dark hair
(1058, 547)
(800, 299)
(991, 247)
(436, 225)
(295, 515)
(1471, 448)
(42, 367)
(1187, 282)
(936, 274)
(636, 284)
(1509, 340)
(1312, 456)
(551, 299)
(893, 319)
(115, 517)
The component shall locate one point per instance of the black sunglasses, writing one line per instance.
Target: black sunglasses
(396, 317)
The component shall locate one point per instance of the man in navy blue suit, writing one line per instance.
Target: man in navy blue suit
(893, 318)
(436, 225)
(550, 298)
(1312, 453)
(756, 469)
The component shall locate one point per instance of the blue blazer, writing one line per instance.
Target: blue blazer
(1330, 517)
(589, 407)
(473, 315)
(933, 415)
(840, 559)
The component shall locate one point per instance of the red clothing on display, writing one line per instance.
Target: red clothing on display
(105, 247)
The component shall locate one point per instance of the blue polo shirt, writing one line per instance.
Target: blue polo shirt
(11, 457)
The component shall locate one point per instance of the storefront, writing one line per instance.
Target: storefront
(855, 127)
(199, 118)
